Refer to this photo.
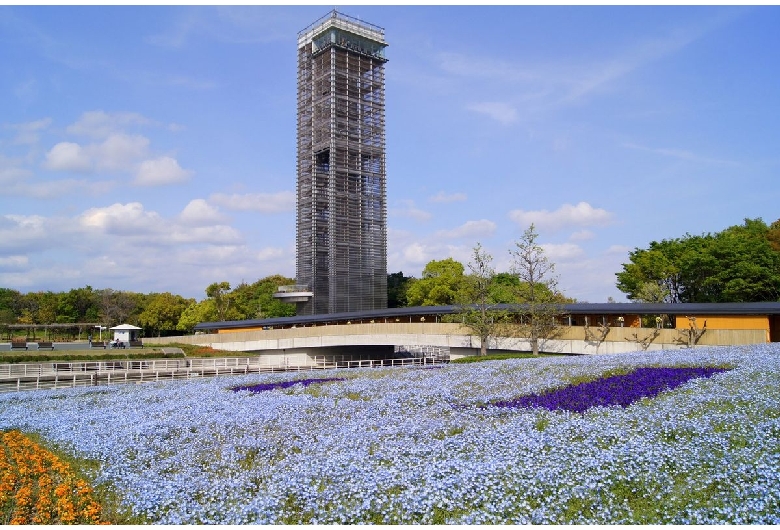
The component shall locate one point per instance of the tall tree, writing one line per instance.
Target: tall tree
(479, 314)
(540, 298)
(397, 287)
(739, 264)
(442, 283)
(10, 305)
(164, 312)
(115, 306)
(195, 313)
(256, 300)
(219, 293)
(78, 305)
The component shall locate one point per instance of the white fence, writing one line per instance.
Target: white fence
(36, 376)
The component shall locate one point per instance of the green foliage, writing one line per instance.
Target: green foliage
(397, 287)
(163, 313)
(442, 283)
(739, 264)
(157, 313)
(78, 305)
(257, 300)
(219, 292)
(196, 312)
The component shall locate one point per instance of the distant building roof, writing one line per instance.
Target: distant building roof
(752, 308)
(123, 327)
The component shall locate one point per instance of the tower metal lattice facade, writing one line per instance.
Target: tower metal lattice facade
(341, 197)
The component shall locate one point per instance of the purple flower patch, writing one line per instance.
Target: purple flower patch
(619, 390)
(262, 387)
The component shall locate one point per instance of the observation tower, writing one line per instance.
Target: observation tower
(341, 232)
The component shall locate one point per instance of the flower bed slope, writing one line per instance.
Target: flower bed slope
(386, 446)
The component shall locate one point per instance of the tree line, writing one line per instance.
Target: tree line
(159, 314)
(738, 264)
(443, 282)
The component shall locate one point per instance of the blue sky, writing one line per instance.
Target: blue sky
(152, 149)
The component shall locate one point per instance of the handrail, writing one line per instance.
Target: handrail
(36, 376)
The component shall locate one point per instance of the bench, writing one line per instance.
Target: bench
(97, 344)
(45, 345)
(18, 345)
(136, 344)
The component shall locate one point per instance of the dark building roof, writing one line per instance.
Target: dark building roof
(752, 308)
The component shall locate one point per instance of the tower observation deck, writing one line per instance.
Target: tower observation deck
(341, 234)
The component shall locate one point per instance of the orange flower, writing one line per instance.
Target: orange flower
(36, 487)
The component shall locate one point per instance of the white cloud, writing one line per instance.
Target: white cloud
(21, 234)
(582, 235)
(484, 67)
(619, 249)
(11, 173)
(123, 219)
(164, 170)
(29, 133)
(410, 210)
(682, 154)
(501, 112)
(199, 212)
(135, 226)
(67, 156)
(214, 235)
(448, 197)
(283, 201)
(563, 252)
(100, 124)
(581, 215)
(470, 229)
(118, 152)
(13, 262)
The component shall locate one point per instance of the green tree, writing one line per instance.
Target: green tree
(540, 300)
(195, 313)
(78, 305)
(163, 313)
(442, 283)
(219, 292)
(257, 300)
(10, 305)
(479, 313)
(504, 288)
(40, 307)
(397, 287)
(739, 264)
(657, 266)
(115, 306)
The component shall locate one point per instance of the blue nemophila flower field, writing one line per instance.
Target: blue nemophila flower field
(264, 387)
(401, 445)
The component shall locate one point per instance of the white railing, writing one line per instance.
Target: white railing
(37, 376)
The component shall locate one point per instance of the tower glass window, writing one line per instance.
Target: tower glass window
(341, 234)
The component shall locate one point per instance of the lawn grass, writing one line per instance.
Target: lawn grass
(503, 357)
